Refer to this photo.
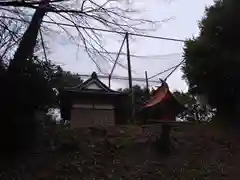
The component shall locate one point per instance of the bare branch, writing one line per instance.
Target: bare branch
(10, 35)
(30, 4)
(108, 14)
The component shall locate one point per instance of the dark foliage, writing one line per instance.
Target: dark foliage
(141, 96)
(195, 111)
(212, 59)
(23, 94)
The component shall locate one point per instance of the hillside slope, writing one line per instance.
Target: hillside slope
(199, 152)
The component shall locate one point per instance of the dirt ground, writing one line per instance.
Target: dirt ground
(198, 153)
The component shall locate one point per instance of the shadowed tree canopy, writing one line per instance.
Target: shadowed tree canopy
(22, 96)
(141, 95)
(212, 60)
(49, 79)
(195, 111)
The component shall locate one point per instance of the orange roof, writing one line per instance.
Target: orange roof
(160, 94)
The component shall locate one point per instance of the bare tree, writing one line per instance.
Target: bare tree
(10, 34)
(81, 14)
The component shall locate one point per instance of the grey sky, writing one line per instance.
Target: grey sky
(186, 15)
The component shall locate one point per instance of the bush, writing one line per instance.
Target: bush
(21, 94)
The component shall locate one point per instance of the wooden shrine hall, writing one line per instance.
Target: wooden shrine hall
(92, 103)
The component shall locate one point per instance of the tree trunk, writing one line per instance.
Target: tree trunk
(17, 109)
(29, 39)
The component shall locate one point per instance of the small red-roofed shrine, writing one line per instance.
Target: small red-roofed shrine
(162, 106)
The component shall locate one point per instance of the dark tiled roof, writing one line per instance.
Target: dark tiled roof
(93, 80)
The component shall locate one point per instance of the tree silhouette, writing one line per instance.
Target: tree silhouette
(212, 63)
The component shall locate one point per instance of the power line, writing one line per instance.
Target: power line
(162, 72)
(141, 79)
(154, 56)
(99, 29)
(119, 32)
(120, 78)
(173, 70)
(157, 37)
(115, 63)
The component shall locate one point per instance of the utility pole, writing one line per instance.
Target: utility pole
(109, 81)
(146, 77)
(130, 78)
(147, 85)
(129, 62)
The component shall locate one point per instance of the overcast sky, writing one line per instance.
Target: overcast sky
(161, 54)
